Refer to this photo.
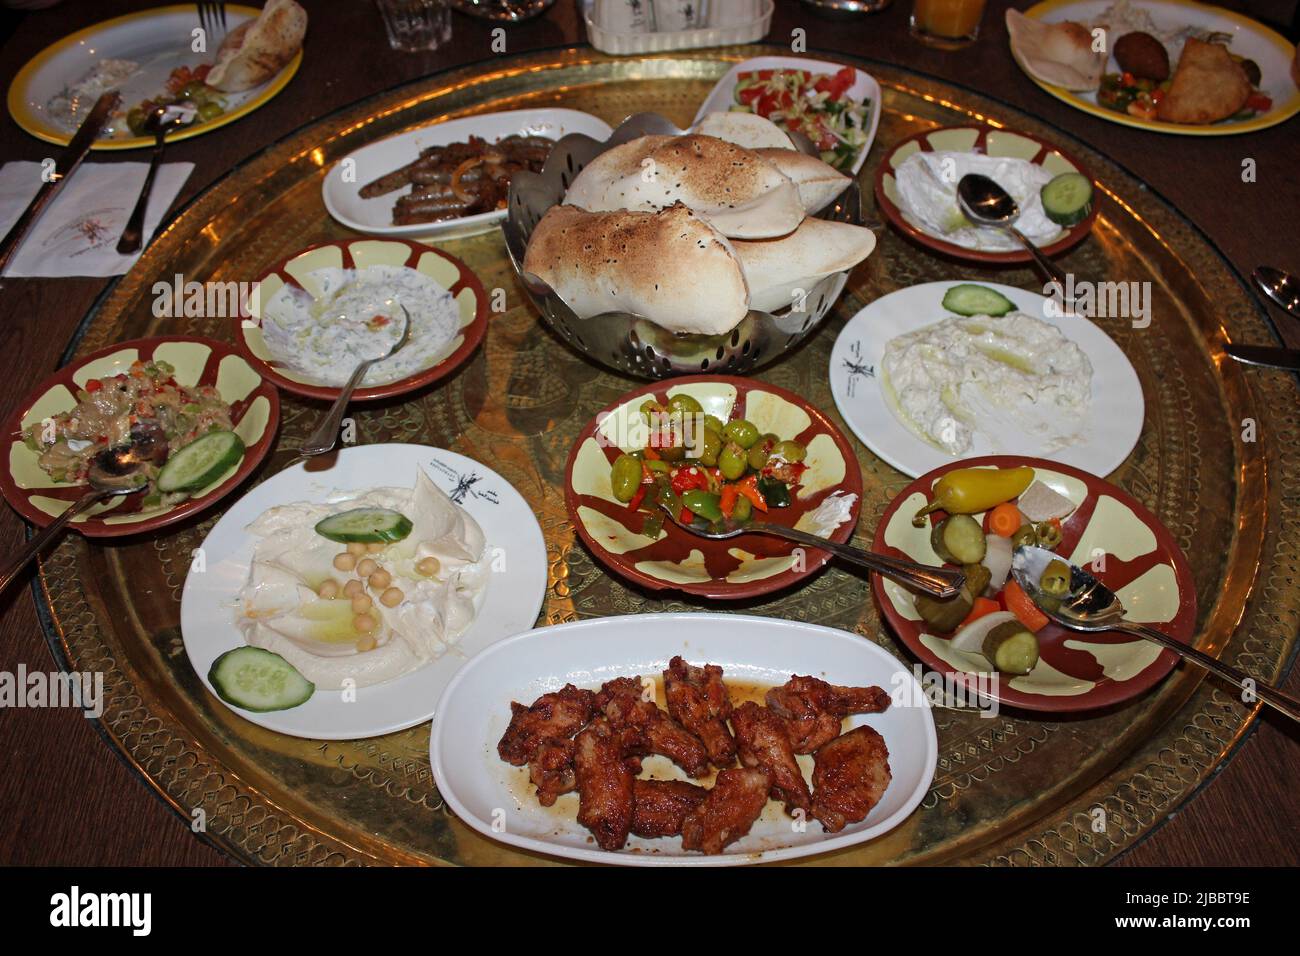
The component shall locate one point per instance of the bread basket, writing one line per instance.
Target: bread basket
(630, 343)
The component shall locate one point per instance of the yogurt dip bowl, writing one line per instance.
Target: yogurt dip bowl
(319, 313)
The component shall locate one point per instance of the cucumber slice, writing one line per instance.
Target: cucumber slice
(201, 462)
(253, 678)
(368, 525)
(1067, 199)
(971, 299)
(1011, 649)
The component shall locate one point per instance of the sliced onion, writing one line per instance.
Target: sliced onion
(997, 558)
(970, 638)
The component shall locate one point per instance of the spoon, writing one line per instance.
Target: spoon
(985, 203)
(160, 121)
(1282, 287)
(1091, 606)
(114, 471)
(936, 582)
(326, 435)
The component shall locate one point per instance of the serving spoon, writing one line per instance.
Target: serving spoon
(113, 472)
(1090, 606)
(985, 203)
(160, 121)
(936, 582)
(1282, 287)
(326, 434)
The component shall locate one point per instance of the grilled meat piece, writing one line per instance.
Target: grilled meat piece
(604, 784)
(814, 708)
(621, 700)
(559, 714)
(735, 802)
(662, 805)
(850, 775)
(763, 739)
(698, 700)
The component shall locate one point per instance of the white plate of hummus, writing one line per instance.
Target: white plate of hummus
(379, 630)
(923, 386)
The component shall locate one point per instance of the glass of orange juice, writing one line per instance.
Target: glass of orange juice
(947, 24)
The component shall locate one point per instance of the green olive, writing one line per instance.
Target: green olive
(761, 451)
(1025, 536)
(789, 451)
(742, 432)
(1049, 534)
(741, 510)
(210, 111)
(731, 461)
(685, 404)
(650, 410)
(714, 422)
(625, 477)
(709, 447)
(1056, 579)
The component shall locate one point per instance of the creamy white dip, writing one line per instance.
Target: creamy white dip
(1122, 17)
(927, 188)
(279, 608)
(830, 514)
(1010, 376)
(72, 104)
(358, 316)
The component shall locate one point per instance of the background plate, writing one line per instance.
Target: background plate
(1011, 790)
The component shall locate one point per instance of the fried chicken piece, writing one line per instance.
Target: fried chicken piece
(850, 775)
(1208, 85)
(662, 805)
(735, 802)
(621, 701)
(604, 784)
(559, 714)
(698, 700)
(814, 708)
(550, 769)
(763, 739)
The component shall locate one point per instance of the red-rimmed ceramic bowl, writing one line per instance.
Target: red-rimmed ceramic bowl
(742, 567)
(445, 270)
(254, 410)
(1075, 671)
(989, 141)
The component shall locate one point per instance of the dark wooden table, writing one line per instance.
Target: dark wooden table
(65, 797)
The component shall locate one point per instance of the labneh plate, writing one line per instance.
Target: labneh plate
(497, 800)
(341, 189)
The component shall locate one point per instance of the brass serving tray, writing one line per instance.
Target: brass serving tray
(1016, 789)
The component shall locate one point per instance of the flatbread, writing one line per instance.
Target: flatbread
(742, 195)
(1208, 85)
(669, 266)
(744, 129)
(780, 270)
(255, 51)
(1057, 53)
(818, 182)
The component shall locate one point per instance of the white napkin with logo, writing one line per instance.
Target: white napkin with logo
(78, 232)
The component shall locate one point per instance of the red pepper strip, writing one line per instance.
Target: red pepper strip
(94, 385)
(749, 488)
(637, 498)
(651, 453)
(686, 479)
(686, 516)
(727, 502)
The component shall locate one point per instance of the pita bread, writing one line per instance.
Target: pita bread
(1057, 53)
(1208, 85)
(669, 266)
(255, 51)
(776, 268)
(742, 195)
(744, 129)
(818, 182)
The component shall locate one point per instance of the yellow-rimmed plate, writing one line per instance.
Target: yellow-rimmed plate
(159, 40)
(1250, 39)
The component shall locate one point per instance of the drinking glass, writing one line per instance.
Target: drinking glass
(416, 25)
(947, 24)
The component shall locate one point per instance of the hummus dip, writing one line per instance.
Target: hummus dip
(1010, 376)
(439, 569)
(927, 188)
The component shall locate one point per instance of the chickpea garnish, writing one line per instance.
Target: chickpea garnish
(366, 642)
(392, 597)
(329, 589)
(364, 623)
(353, 588)
(361, 604)
(428, 566)
(356, 549)
(344, 561)
(375, 547)
(380, 580)
(367, 567)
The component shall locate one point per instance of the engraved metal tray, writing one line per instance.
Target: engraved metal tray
(1016, 789)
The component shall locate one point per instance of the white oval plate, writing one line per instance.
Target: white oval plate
(1116, 412)
(509, 604)
(479, 786)
(375, 216)
(723, 95)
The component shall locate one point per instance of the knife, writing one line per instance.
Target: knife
(64, 167)
(1266, 355)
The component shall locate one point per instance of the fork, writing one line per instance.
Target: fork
(934, 581)
(212, 13)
